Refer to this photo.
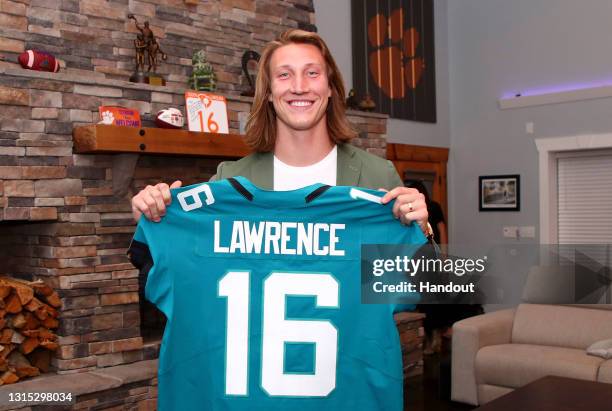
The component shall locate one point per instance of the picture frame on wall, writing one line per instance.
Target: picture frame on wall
(499, 193)
(394, 57)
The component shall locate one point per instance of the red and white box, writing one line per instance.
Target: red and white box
(206, 112)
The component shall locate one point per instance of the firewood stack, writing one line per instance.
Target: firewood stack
(28, 313)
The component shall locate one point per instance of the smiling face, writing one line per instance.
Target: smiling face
(299, 87)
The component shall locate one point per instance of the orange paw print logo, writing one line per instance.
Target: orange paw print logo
(394, 65)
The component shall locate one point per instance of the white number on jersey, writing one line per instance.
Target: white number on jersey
(277, 331)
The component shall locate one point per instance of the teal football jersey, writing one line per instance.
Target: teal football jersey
(262, 294)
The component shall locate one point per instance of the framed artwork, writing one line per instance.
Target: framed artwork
(393, 57)
(499, 193)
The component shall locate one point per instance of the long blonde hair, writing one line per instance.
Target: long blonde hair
(261, 125)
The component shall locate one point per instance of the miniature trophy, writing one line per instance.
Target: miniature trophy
(203, 77)
(147, 52)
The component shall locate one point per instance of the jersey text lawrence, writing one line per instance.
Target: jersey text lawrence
(272, 237)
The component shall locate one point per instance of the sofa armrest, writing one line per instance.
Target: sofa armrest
(469, 336)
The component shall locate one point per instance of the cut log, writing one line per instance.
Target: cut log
(17, 359)
(6, 350)
(46, 311)
(54, 300)
(31, 333)
(28, 345)
(17, 338)
(6, 335)
(32, 322)
(41, 288)
(53, 312)
(9, 377)
(33, 305)
(50, 322)
(13, 304)
(23, 289)
(49, 345)
(18, 321)
(41, 313)
(5, 290)
(22, 366)
(46, 334)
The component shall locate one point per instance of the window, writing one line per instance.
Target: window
(584, 197)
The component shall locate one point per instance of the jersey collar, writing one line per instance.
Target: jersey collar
(292, 198)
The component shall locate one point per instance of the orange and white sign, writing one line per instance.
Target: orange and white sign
(206, 112)
(119, 116)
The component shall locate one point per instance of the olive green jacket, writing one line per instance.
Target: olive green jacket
(356, 167)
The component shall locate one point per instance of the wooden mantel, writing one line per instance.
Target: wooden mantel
(101, 139)
(128, 142)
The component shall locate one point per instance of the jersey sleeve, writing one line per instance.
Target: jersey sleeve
(146, 255)
(413, 236)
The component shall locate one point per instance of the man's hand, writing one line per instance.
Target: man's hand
(409, 206)
(152, 201)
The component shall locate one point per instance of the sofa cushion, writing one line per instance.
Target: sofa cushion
(514, 365)
(601, 349)
(605, 372)
(560, 326)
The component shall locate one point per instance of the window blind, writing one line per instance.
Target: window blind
(585, 199)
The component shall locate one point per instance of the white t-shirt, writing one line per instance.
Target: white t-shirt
(288, 177)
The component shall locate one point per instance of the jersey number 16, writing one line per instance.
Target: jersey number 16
(277, 330)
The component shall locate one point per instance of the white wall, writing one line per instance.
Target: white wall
(500, 47)
(333, 21)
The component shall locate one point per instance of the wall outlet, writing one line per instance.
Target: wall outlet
(527, 231)
(510, 232)
(529, 127)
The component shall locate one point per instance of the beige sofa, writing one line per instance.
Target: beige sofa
(499, 351)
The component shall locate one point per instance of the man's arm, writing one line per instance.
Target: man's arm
(409, 203)
(393, 177)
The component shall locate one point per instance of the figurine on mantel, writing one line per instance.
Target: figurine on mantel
(147, 50)
(203, 77)
(367, 104)
(351, 101)
(250, 61)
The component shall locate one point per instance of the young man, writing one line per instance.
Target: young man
(299, 133)
(274, 276)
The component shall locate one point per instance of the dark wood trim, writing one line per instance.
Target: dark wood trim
(409, 152)
(99, 138)
(423, 158)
